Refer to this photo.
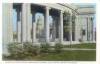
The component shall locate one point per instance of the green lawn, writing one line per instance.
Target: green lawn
(82, 45)
(69, 56)
(75, 55)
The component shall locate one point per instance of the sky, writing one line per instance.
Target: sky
(14, 19)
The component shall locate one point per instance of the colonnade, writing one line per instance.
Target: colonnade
(23, 24)
(25, 14)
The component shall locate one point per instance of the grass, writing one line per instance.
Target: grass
(83, 45)
(66, 55)
(75, 55)
(69, 56)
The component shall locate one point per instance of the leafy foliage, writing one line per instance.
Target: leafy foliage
(58, 47)
(21, 51)
(16, 51)
(45, 48)
(31, 49)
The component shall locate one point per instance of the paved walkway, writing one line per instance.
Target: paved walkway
(78, 49)
(84, 49)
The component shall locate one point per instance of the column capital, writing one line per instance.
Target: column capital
(47, 7)
(61, 11)
(17, 10)
(71, 13)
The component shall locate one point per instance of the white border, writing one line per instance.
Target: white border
(55, 1)
(51, 1)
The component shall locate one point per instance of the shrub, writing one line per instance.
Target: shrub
(31, 49)
(16, 51)
(80, 40)
(58, 47)
(45, 48)
(21, 51)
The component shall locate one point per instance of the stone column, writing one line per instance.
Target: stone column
(23, 23)
(28, 22)
(61, 27)
(88, 29)
(77, 28)
(54, 28)
(47, 23)
(18, 25)
(10, 23)
(70, 28)
(7, 34)
(33, 27)
(92, 28)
